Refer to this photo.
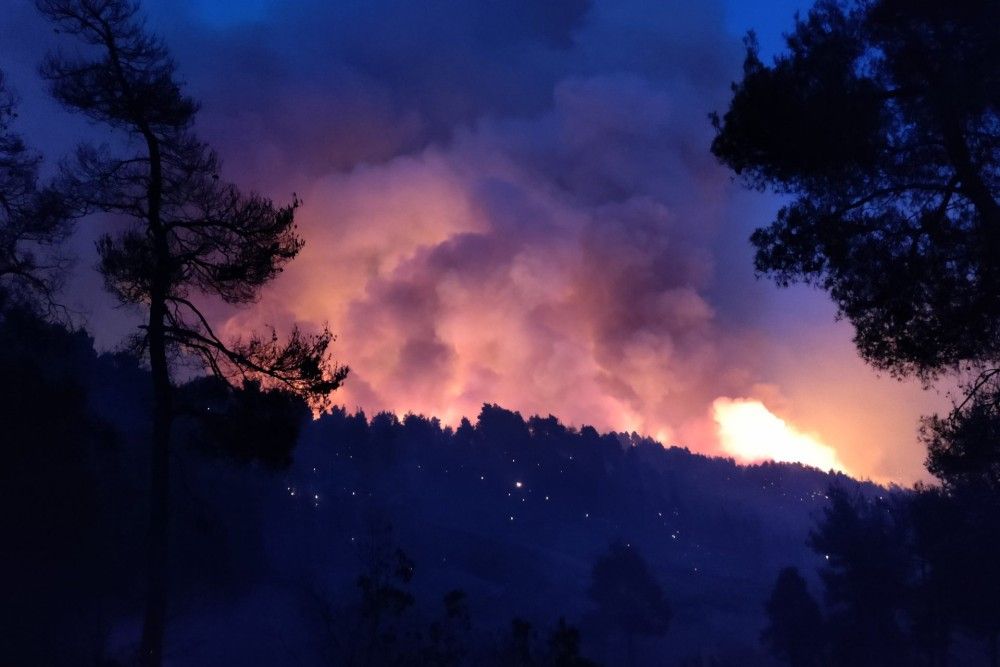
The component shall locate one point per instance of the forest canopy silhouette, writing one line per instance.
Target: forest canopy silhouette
(880, 122)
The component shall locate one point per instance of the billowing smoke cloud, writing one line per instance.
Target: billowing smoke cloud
(508, 202)
(550, 265)
(553, 262)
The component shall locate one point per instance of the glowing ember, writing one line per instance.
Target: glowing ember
(750, 432)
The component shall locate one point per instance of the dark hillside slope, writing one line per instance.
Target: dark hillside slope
(516, 513)
(268, 543)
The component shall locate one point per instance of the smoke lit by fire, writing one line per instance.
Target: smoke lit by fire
(515, 207)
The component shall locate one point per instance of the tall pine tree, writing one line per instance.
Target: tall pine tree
(188, 234)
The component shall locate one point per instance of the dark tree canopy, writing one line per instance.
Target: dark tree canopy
(974, 576)
(881, 121)
(51, 500)
(564, 647)
(867, 577)
(881, 124)
(188, 234)
(962, 446)
(248, 424)
(795, 624)
(33, 219)
(628, 596)
(192, 233)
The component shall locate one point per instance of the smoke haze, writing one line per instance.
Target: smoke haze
(510, 203)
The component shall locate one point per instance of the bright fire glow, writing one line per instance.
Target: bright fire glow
(748, 431)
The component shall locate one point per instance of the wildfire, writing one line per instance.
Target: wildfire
(750, 432)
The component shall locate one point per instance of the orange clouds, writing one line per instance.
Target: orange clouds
(562, 265)
(567, 261)
(532, 218)
(539, 275)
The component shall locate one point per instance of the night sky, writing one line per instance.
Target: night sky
(511, 202)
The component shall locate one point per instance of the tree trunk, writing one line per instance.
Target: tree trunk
(154, 623)
(155, 620)
(994, 655)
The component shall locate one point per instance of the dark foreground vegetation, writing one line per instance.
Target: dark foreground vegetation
(880, 123)
(357, 540)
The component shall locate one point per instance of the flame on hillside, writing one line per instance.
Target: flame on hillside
(749, 432)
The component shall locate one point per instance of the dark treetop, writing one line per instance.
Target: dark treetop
(881, 122)
(33, 219)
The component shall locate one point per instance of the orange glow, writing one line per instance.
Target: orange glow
(749, 432)
(459, 276)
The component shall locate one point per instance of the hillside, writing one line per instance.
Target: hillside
(272, 532)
